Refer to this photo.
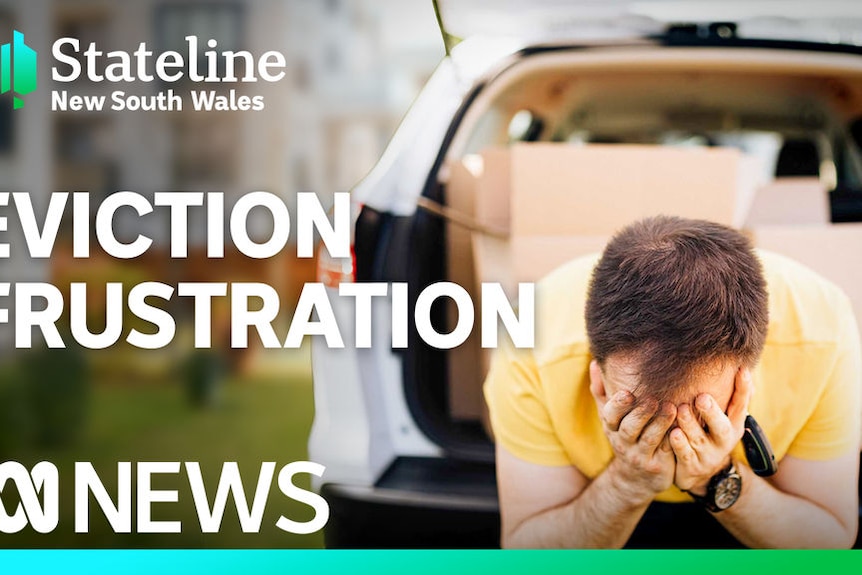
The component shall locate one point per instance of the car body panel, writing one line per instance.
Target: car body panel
(542, 21)
(361, 421)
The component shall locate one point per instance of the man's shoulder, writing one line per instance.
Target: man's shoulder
(804, 306)
(561, 297)
(575, 272)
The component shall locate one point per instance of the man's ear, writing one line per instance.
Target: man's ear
(597, 383)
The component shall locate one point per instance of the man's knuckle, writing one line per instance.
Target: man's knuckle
(650, 437)
(627, 434)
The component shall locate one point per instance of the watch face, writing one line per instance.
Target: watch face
(727, 491)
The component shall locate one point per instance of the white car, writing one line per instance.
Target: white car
(407, 465)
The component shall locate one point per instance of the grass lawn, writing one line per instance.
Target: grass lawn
(264, 417)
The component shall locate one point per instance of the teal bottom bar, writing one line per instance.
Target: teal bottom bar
(432, 562)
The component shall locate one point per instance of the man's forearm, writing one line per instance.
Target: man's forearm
(602, 516)
(765, 517)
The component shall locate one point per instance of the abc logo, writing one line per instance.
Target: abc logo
(42, 515)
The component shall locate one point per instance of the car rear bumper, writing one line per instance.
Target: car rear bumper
(418, 503)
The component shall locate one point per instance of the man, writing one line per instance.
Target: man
(645, 367)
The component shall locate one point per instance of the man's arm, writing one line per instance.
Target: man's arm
(549, 507)
(807, 504)
(552, 507)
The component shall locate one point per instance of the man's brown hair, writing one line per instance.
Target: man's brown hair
(674, 295)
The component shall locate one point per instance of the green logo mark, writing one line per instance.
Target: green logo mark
(17, 69)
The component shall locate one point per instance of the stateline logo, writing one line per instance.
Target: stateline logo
(39, 497)
(17, 69)
(197, 64)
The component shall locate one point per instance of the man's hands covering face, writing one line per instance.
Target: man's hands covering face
(651, 454)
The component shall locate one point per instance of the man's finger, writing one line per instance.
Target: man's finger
(742, 390)
(665, 444)
(720, 429)
(681, 446)
(689, 424)
(655, 431)
(633, 424)
(616, 408)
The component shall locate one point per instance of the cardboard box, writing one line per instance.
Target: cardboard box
(560, 189)
(465, 364)
(492, 187)
(831, 250)
(790, 201)
(559, 201)
(528, 259)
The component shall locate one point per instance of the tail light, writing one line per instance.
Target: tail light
(331, 272)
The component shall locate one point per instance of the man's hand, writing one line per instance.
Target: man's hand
(703, 452)
(644, 463)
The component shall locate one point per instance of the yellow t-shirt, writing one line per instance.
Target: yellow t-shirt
(808, 381)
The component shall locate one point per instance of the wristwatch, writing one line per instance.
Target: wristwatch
(723, 490)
